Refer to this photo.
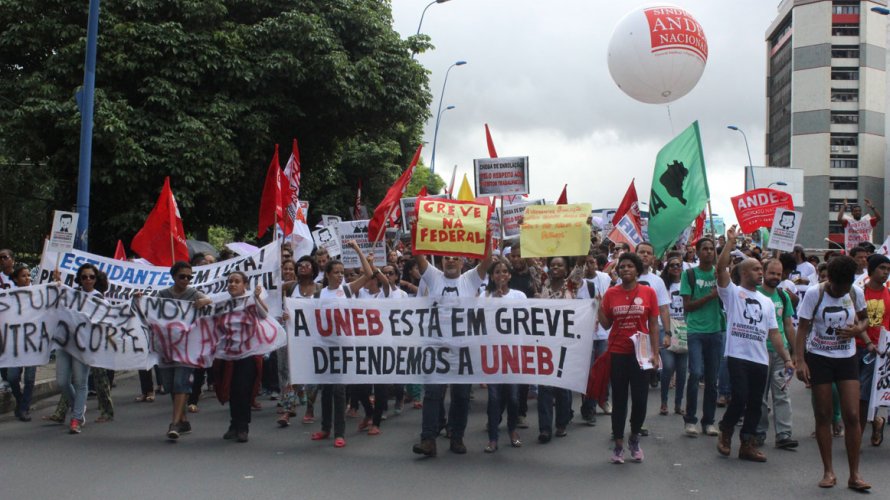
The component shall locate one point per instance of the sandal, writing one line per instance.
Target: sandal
(828, 482)
(492, 447)
(663, 410)
(104, 419)
(193, 408)
(283, 420)
(877, 432)
(339, 442)
(837, 429)
(374, 431)
(858, 485)
(318, 436)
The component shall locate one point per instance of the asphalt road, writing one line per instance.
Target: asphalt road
(130, 458)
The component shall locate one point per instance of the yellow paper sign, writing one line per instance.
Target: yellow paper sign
(451, 227)
(555, 230)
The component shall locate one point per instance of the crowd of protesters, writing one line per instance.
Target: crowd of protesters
(728, 325)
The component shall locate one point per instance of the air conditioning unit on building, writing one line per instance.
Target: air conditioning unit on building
(847, 149)
(834, 149)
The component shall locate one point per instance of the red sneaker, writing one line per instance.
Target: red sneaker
(318, 436)
(74, 426)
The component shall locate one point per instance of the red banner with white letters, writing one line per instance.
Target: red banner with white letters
(756, 208)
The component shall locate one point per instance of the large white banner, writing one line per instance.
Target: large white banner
(37, 319)
(125, 278)
(880, 384)
(444, 340)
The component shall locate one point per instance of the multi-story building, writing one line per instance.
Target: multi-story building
(826, 96)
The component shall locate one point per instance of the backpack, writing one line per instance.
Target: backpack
(346, 290)
(822, 296)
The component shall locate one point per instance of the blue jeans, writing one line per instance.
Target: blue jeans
(546, 396)
(499, 396)
(22, 395)
(705, 353)
(71, 377)
(672, 362)
(433, 403)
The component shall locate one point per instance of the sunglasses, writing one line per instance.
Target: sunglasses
(304, 264)
(389, 273)
(4, 257)
(87, 276)
(187, 277)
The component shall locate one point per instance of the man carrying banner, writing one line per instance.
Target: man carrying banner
(750, 320)
(858, 227)
(177, 379)
(877, 303)
(448, 282)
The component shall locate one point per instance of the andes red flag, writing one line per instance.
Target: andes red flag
(679, 189)
(161, 240)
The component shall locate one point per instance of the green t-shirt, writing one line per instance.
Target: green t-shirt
(708, 318)
(781, 313)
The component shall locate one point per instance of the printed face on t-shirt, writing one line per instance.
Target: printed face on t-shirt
(676, 302)
(753, 311)
(835, 317)
(875, 312)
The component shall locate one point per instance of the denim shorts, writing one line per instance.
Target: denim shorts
(177, 379)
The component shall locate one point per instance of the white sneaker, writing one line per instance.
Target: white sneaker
(691, 430)
(711, 430)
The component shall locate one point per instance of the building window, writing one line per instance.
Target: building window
(835, 204)
(845, 74)
(845, 52)
(844, 95)
(845, 30)
(846, 183)
(844, 140)
(835, 227)
(845, 117)
(844, 162)
(841, 8)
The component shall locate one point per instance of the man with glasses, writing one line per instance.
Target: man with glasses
(177, 379)
(449, 282)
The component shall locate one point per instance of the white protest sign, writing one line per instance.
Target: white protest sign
(501, 176)
(234, 328)
(880, 383)
(125, 278)
(328, 238)
(358, 230)
(786, 226)
(512, 215)
(441, 340)
(409, 210)
(330, 220)
(61, 237)
(35, 320)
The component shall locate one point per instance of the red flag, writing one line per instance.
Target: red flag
(290, 191)
(422, 192)
(357, 210)
(161, 240)
(629, 205)
(271, 210)
(119, 252)
(451, 184)
(699, 228)
(390, 202)
(491, 151)
(563, 198)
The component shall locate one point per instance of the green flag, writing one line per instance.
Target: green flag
(679, 189)
(764, 237)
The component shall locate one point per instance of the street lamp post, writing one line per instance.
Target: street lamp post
(777, 183)
(750, 163)
(424, 12)
(85, 103)
(439, 115)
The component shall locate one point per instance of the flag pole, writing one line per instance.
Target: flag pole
(502, 243)
(172, 248)
(711, 218)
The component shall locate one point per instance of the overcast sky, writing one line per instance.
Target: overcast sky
(537, 74)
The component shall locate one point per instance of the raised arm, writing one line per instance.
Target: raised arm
(842, 211)
(359, 282)
(874, 211)
(725, 257)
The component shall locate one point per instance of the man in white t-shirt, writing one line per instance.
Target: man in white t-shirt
(449, 282)
(858, 227)
(750, 321)
(860, 255)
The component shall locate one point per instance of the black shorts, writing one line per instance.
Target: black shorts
(825, 370)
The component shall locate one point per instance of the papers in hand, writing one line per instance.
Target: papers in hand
(643, 349)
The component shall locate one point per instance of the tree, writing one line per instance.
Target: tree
(201, 90)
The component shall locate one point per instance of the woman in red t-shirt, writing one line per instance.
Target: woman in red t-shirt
(627, 309)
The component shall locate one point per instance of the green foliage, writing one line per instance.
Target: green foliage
(423, 177)
(218, 236)
(201, 90)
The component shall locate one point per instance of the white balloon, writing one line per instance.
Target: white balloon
(657, 53)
